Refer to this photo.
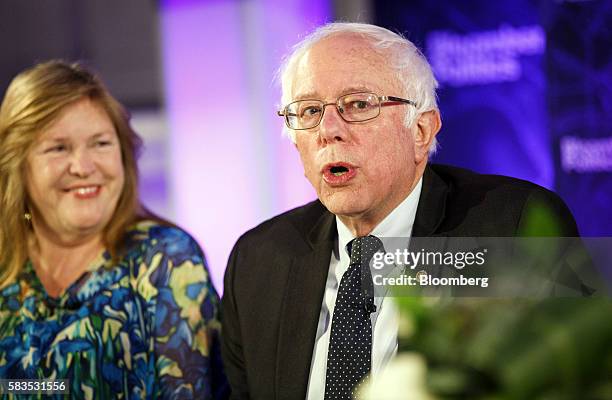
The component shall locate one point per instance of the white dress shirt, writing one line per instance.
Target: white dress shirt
(385, 320)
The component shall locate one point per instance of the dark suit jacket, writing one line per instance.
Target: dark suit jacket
(276, 275)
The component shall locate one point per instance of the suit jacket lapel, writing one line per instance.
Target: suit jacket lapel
(301, 309)
(432, 204)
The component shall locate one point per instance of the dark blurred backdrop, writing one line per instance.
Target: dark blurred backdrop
(526, 91)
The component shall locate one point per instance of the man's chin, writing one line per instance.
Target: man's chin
(343, 205)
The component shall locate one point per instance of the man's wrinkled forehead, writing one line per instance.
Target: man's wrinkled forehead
(342, 63)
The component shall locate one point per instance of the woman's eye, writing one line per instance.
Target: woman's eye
(103, 143)
(56, 149)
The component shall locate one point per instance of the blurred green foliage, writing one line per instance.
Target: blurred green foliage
(494, 349)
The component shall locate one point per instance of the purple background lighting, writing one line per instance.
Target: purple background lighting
(230, 168)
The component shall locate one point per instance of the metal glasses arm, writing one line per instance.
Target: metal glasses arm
(390, 99)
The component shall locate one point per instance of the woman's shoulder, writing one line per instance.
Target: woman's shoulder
(163, 255)
(155, 236)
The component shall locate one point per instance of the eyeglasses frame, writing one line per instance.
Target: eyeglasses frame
(382, 100)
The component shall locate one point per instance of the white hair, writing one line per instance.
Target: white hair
(410, 65)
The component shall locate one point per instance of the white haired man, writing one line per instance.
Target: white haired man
(360, 107)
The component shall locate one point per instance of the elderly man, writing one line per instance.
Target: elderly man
(360, 106)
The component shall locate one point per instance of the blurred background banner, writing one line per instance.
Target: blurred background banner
(525, 91)
(579, 95)
(489, 60)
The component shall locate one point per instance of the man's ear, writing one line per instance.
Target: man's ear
(428, 125)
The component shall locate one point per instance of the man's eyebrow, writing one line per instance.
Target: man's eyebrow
(348, 90)
(356, 89)
(307, 96)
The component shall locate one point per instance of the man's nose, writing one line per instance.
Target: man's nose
(332, 127)
(82, 163)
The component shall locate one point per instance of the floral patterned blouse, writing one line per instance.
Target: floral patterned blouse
(144, 328)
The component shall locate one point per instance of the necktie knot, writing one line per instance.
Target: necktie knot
(363, 248)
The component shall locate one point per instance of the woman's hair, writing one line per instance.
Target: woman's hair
(34, 100)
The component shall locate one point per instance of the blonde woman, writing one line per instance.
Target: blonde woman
(93, 288)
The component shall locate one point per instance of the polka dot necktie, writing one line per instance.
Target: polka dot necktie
(349, 356)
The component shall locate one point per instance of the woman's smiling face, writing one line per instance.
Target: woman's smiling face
(74, 172)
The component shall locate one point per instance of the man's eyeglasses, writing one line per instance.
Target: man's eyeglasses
(352, 107)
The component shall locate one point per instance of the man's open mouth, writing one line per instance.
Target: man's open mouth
(338, 173)
(338, 170)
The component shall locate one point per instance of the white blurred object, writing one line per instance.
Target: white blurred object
(404, 378)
